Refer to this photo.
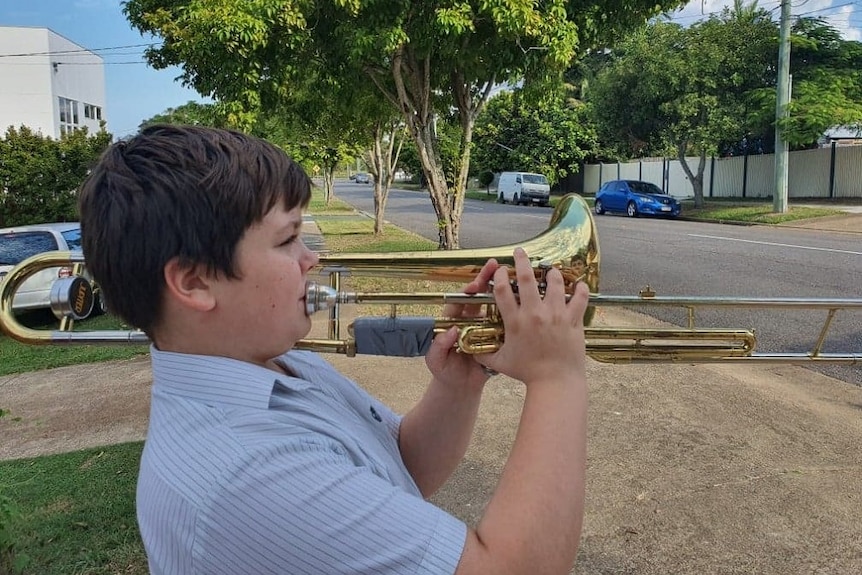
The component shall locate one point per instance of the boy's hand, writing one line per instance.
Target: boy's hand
(544, 335)
(444, 362)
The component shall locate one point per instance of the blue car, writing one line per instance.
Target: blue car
(635, 198)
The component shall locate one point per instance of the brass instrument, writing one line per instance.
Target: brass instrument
(569, 243)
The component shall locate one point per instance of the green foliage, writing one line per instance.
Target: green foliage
(11, 560)
(423, 58)
(41, 175)
(710, 88)
(76, 511)
(191, 113)
(827, 84)
(551, 136)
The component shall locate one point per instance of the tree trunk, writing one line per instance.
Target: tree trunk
(695, 179)
(414, 97)
(382, 161)
(328, 179)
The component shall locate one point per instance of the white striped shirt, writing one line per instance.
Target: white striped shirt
(248, 471)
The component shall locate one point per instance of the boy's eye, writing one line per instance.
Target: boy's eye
(289, 240)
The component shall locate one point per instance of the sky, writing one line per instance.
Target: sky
(136, 92)
(843, 15)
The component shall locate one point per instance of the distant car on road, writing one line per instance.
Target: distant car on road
(635, 198)
(523, 188)
(362, 178)
(20, 242)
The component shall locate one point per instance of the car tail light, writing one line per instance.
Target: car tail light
(64, 272)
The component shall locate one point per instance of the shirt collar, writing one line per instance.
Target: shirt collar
(220, 380)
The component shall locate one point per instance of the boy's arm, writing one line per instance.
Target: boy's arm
(532, 523)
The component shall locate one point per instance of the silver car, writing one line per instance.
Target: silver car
(20, 242)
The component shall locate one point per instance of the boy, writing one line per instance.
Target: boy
(260, 459)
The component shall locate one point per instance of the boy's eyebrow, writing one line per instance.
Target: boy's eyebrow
(292, 225)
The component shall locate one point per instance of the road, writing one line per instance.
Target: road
(685, 259)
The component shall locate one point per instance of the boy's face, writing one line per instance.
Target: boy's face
(265, 307)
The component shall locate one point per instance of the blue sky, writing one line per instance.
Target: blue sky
(844, 15)
(136, 92)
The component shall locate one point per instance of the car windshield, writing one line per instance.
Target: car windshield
(645, 188)
(73, 239)
(18, 246)
(535, 179)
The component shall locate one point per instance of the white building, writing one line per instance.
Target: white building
(49, 83)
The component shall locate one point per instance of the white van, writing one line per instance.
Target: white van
(523, 188)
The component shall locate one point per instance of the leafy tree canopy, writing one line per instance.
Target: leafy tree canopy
(552, 136)
(41, 175)
(424, 57)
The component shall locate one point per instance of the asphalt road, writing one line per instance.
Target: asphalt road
(685, 259)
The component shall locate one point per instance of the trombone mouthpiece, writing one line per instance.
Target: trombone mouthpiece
(319, 297)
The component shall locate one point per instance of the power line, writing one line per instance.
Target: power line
(826, 9)
(80, 51)
(76, 63)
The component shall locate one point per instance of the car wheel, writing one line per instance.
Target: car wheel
(631, 210)
(501, 199)
(600, 209)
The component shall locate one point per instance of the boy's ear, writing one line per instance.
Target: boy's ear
(189, 286)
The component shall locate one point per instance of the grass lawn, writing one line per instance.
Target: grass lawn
(753, 213)
(76, 512)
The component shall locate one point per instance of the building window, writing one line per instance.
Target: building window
(92, 112)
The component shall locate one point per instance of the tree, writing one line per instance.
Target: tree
(670, 90)
(426, 58)
(827, 84)
(41, 175)
(191, 113)
(552, 135)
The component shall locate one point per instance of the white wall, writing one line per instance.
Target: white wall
(32, 84)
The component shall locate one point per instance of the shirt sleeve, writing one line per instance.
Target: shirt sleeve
(308, 508)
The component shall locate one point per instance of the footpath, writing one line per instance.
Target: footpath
(693, 469)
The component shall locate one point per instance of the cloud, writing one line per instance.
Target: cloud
(840, 14)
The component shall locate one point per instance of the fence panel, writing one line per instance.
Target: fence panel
(848, 172)
(727, 181)
(609, 172)
(808, 174)
(592, 182)
(651, 171)
(761, 176)
(679, 185)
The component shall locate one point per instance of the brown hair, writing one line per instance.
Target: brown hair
(184, 192)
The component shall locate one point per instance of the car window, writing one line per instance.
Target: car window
(518, 179)
(645, 188)
(535, 179)
(18, 246)
(73, 239)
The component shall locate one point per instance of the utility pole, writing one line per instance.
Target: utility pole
(782, 99)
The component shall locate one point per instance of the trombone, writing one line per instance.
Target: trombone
(569, 243)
